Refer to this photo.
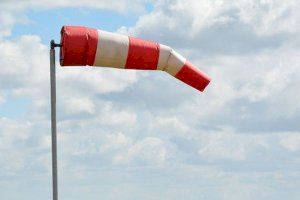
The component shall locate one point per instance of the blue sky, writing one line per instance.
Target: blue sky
(141, 135)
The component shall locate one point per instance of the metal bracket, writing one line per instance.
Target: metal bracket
(53, 44)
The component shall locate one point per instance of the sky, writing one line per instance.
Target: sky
(125, 134)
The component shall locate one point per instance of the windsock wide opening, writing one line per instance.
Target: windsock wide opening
(78, 45)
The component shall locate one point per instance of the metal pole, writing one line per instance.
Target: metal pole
(53, 120)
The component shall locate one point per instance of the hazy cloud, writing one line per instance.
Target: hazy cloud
(149, 135)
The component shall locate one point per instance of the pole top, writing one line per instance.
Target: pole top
(53, 44)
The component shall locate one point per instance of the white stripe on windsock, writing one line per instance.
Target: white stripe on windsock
(112, 50)
(164, 54)
(169, 60)
(174, 63)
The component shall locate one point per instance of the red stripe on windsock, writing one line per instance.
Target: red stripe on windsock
(192, 76)
(142, 54)
(79, 45)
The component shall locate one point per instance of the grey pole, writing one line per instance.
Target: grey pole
(53, 119)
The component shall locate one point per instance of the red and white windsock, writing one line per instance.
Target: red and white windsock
(88, 46)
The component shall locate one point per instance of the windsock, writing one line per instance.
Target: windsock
(81, 46)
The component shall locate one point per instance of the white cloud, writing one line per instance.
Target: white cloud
(170, 125)
(120, 6)
(291, 142)
(114, 116)
(78, 106)
(11, 130)
(95, 79)
(2, 99)
(111, 149)
(150, 150)
(6, 21)
(220, 27)
(270, 17)
(115, 141)
(20, 74)
(228, 145)
(186, 17)
(11, 133)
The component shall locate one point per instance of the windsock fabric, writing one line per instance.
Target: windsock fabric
(83, 46)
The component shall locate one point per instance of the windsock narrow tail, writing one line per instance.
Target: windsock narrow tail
(83, 46)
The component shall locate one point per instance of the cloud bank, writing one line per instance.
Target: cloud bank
(146, 135)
